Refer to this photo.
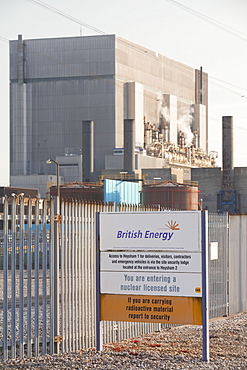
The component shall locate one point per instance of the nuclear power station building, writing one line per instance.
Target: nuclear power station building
(103, 103)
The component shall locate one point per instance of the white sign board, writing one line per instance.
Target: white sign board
(213, 251)
(155, 230)
(180, 285)
(156, 253)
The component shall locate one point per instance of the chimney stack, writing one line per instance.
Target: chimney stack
(129, 145)
(88, 150)
(227, 153)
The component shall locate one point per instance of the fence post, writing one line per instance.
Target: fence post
(13, 278)
(5, 281)
(98, 322)
(57, 219)
(205, 307)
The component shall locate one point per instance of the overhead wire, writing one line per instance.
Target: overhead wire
(65, 15)
(211, 21)
(219, 120)
(240, 94)
(228, 83)
(232, 31)
(166, 61)
(80, 22)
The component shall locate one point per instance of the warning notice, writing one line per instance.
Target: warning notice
(162, 309)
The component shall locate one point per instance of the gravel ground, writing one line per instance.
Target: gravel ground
(174, 348)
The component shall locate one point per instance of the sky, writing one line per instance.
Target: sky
(210, 34)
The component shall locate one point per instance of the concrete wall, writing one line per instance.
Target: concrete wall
(116, 162)
(40, 182)
(71, 167)
(144, 161)
(240, 185)
(210, 185)
(176, 174)
(209, 180)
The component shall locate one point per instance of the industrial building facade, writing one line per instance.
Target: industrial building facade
(77, 97)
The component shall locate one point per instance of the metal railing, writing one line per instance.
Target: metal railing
(28, 304)
(218, 231)
(25, 277)
(28, 298)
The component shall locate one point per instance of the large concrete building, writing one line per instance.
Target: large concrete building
(102, 103)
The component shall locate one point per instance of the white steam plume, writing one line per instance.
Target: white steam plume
(185, 123)
(164, 111)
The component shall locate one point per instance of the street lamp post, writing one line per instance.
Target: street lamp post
(49, 161)
(57, 219)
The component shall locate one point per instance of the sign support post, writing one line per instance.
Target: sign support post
(205, 303)
(98, 321)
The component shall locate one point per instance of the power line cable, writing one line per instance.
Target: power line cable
(240, 94)
(219, 120)
(65, 15)
(200, 15)
(232, 31)
(166, 61)
(227, 83)
(78, 21)
(215, 23)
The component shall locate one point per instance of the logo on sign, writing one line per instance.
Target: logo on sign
(172, 225)
(149, 234)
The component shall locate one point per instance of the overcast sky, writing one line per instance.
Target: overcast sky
(211, 34)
